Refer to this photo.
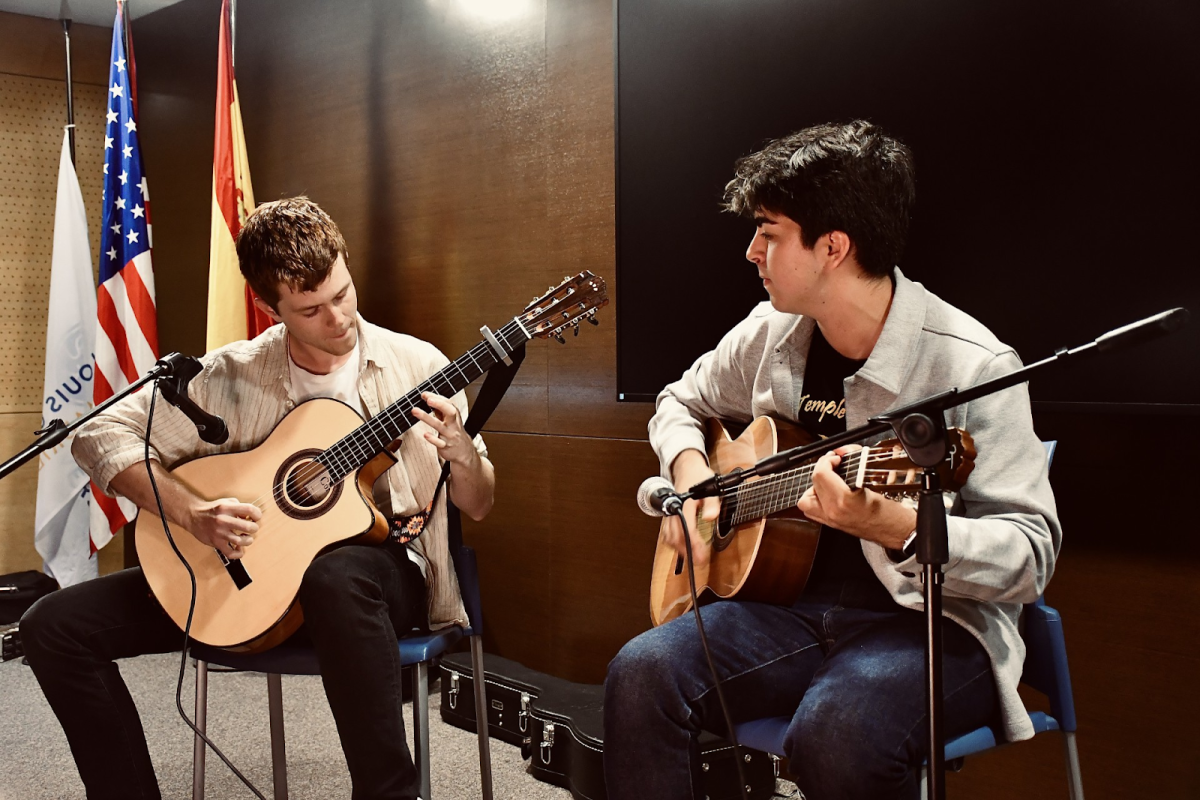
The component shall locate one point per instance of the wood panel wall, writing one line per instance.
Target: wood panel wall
(34, 111)
(470, 165)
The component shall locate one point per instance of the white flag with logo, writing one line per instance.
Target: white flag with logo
(61, 522)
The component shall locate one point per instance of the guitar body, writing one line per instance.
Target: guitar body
(312, 480)
(765, 560)
(294, 529)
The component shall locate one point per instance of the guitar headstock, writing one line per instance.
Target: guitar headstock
(566, 305)
(891, 472)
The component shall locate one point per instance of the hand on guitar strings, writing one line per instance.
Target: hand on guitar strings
(689, 468)
(226, 524)
(448, 436)
(862, 513)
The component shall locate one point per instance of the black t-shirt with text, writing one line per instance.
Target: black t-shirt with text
(822, 412)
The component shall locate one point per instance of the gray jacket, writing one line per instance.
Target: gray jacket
(1003, 528)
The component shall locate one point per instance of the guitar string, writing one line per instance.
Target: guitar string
(743, 511)
(760, 495)
(344, 451)
(849, 464)
(763, 506)
(340, 454)
(341, 451)
(753, 499)
(337, 451)
(793, 485)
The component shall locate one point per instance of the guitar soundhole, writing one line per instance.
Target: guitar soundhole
(303, 488)
(724, 528)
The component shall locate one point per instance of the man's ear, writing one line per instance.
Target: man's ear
(262, 306)
(837, 248)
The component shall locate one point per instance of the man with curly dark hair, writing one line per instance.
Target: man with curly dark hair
(844, 337)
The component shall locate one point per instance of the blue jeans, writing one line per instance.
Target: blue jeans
(847, 665)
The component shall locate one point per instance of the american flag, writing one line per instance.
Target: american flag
(127, 333)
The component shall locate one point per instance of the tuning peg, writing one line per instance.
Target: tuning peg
(593, 320)
(575, 327)
(558, 337)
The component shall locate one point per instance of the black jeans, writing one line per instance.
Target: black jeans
(355, 599)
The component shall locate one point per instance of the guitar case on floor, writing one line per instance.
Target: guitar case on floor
(560, 727)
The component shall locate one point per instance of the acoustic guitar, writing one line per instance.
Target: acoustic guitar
(762, 546)
(312, 479)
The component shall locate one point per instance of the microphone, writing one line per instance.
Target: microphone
(177, 373)
(656, 497)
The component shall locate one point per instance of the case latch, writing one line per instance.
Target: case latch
(547, 742)
(523, 715)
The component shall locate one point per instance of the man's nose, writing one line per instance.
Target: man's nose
(755, 251)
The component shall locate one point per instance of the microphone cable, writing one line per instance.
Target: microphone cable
(191, 607)
(737, 749)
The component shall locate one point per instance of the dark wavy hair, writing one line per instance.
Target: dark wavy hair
(292, 242)
(848, 177)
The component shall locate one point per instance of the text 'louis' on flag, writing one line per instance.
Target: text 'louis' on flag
(61, 519)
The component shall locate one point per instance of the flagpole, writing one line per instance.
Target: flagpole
(124, 6)
(232, 34)
(64, 14)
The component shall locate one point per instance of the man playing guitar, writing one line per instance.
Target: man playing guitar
(355, 598)
(845, 336)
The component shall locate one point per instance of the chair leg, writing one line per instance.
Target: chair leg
(201, 717)
(278, 748)
(420, 677)
(481, 717)
(1074, 776)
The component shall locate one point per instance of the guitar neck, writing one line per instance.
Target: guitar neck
(355, 449)
(757, 499)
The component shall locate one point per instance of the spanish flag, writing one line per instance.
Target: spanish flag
(231, 311)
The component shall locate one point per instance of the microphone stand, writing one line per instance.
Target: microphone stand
(921, 428)
(56, 431)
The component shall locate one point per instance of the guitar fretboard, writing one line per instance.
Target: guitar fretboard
(765, 496)
(372, 438)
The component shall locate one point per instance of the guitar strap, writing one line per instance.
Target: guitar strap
(406, 529)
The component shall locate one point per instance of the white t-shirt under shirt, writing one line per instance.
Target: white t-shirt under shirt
(341, 384)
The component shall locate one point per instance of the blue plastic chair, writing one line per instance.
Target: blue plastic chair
(416, 650)
(1045, 670)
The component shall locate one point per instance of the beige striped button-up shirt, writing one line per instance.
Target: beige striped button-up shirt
(248, 383)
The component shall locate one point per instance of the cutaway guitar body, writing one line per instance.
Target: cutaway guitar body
(312, 480)
(250, 603)
(762, 546)
(766, 559)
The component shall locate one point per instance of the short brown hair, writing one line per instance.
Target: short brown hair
(289, 241)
